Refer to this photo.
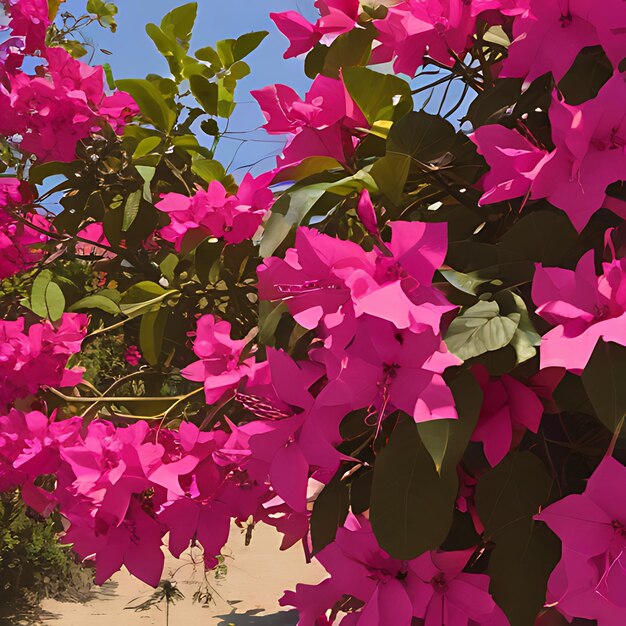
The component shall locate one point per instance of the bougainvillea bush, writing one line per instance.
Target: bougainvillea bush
(404, 346)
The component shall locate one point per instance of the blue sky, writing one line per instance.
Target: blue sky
(134, 56)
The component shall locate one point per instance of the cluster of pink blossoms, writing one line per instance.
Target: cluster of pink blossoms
(20, 246)
(325, 124)
(432, 587)
(216, 213)
(33, 357)
(590, 579)
(589, 155)
(46, 114)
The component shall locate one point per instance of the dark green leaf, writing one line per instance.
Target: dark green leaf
(507, 497)
(412, 505)
(151, 333)
(604, 378)
(349, 49)
(390, 173)
(421, 136)
(208, 170)
(361, 492)
(329, 513)
(446, 440)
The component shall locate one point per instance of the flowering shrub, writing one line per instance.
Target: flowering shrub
(403, 346)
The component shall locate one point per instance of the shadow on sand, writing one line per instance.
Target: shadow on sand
(251, 618)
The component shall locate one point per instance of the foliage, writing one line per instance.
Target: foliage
(402, 346)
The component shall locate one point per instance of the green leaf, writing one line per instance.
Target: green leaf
(329, 513)
(179, 22)
(147, 173)
(349, 49)
(96, 301)
(131, 208)
(269, 317)
(46, 298)
(208, 169)
(152, 104)
(170, 48)
(604, 379)
(247, 43)
(105, 13)
(412, 505)
(151, 333)
(288, 211)
(480, 329)
(390, 173)
(361, 492)
(205, 93)
(421, 136)
(379, 96)
(225, 51)
(525, 551)
(446, 440)
(210, 56)
(38, 173)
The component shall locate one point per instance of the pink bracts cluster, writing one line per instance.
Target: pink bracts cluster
(589, 155)
(28, 19)
(216, 213)
(590, 579)
(379, 315)
(36, 356)
(325, 124)
(582, 307)
(383, 590)
(20, 246)
(60, 105)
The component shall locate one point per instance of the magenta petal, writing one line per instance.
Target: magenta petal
(289, 475)
(582, 525)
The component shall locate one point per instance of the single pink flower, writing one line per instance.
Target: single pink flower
(220, 367)
(582, 307)
(513, 160)
(590, 579)
(509, 408)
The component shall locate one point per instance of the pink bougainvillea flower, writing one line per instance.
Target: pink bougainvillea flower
(509, 408)
(336, 17)
(442, 594)
(590, 153)
(384, 368)
(135, 543)
(37, 357)
(302, 35)
(432, 587)
(324, 124)
(132, 355)
(303, 440)
(89, 240)
(513, 160)
(412, 29)
(549, 36)
(220, 367)
(29, 445)
(590, 580)
(28, 19)
(328, 281)
(60, 105)
(215, 213)
(583, 308)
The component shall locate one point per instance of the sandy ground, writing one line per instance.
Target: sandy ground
(247, 596)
